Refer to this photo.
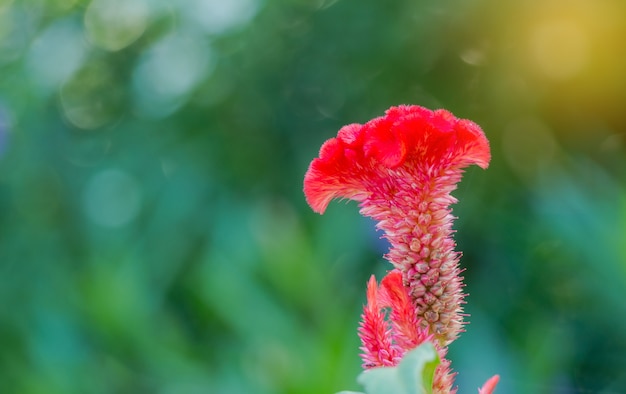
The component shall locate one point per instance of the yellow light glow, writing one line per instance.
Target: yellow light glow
(559, 49)
(564, 40)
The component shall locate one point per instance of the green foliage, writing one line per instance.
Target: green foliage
(413, 375)
(153, 232)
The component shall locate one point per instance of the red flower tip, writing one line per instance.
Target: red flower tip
(404, 136)
(395, 294)
(392, 283)
(490, 385)
(372, 295)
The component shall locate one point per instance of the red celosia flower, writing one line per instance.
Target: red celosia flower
(401, 168)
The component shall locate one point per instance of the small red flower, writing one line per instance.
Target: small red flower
(490, 385)
(386, 337)
(406, 332)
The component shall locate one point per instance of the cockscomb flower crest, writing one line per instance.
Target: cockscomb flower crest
(401, 169)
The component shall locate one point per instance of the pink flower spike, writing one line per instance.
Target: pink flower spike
(374, 331)
(385, 344)
(401, 169)
(490, 385)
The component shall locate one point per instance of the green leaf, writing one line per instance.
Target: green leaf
(414, 374)
(425, 359)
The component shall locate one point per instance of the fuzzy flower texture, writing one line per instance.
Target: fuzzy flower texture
(401, 169)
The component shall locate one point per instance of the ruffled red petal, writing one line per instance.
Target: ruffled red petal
(384, 143)
(351, 135)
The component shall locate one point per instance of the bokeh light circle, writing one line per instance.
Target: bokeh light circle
(115, 24)
(112, 198)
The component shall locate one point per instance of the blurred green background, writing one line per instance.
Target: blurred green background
(153, 233)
